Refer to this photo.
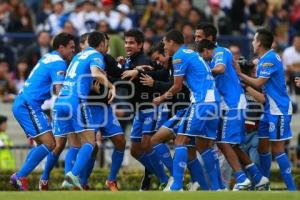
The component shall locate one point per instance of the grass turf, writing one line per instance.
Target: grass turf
(73, 195)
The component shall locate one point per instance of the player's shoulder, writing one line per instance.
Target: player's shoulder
(270, 58)
(52, 57)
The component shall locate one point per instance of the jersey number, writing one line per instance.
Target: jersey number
(72, 70)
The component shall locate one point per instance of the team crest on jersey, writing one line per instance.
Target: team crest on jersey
(187, 51)
(61, 73)
(176, 61)
(271, 127)
(148, 120)
(267, 64)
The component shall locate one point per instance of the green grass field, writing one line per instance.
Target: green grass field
(63, 195)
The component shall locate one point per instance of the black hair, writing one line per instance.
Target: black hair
(265, 37)
(84, 37)
(297, 34)
(175, 35)
(158, 47)
(95, 38)
(3, 119)
(204, 44)
(62, 39)
(137, 34)
(208, 29)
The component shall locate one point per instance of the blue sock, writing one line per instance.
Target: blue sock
(240, 176)
(51, 162)
(144, 160)
(70, 158)
(197, 173)
(286, 170)
(265, 160)
(179, 165)
(254, 173)
(208, 157)
(165, 156)
(116, 163)
(83, 157)
(35, 157)
(158, 166)
(86, 172)
(220, 179)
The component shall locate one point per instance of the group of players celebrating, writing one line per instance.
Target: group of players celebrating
(193, 97)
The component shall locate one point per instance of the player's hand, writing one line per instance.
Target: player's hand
(157, 100)
(111, 94)
(96, 87)
(144, 68)
(147, 80)
(297, 81)
(237, 67)
(121, 60)
(131, 74)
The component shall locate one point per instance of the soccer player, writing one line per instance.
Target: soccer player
(73, 141)
(201, 119)
(231, 132)
(274, 127)
(107, 122)
(71, 111)
(47, 75)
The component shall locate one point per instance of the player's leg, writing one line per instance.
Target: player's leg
(161, 148)
(232, 126)
(87, 171)
(52, 159)
(35, 124)
(195, 168)
(278, 136)
(265, 156)
(258, 180)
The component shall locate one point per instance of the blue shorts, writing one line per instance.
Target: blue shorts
(232, 127)
(162, 116)
(71, 115)
(143, 124)
(173, 123)
(106, 121)
(31, 117)
(200, 120)
(275, 127)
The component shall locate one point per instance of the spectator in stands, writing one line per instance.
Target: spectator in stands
(35, 51)
(58, 17)
(42, 15)
(116, 43)
(217, 17)
(160, 22)
(125, 23)
(6, 54)
(69, 28)
(109, 15)
(22, 72)
(4, 16)
(20, 19)
(7, 161)
(188, 33)
(195, 16)
(147, 45)
(236, 51)
(180, 14)
(7, 88)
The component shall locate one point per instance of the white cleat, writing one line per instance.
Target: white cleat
(192, 187)
(168, 186)
(263, 184)
(246, 185)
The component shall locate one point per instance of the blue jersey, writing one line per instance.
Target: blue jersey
(277, 101)
(50, 69)
(197, 73)
(78, 79)
(228, 83)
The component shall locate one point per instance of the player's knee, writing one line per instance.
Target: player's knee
(59, 147)
(146, 146)
(134, 153)
(51, 144)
